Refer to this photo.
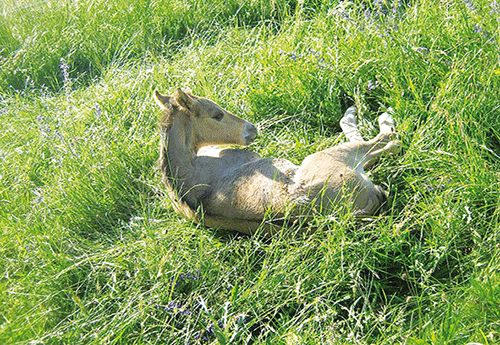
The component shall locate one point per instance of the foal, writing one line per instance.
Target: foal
(237, 189)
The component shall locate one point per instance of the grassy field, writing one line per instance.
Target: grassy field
(91, 251)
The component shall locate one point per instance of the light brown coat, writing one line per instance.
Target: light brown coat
(238, 190)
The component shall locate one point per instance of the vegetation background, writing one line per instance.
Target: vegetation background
(91, 250)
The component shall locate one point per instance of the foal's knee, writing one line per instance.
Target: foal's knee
(372, 202)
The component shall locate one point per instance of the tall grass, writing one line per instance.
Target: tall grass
(92, 252)
(37, 37)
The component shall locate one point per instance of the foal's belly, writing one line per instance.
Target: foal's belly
(272, 187)
(252, 190)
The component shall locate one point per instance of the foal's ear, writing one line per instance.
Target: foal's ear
(183, 99)
(161, 100)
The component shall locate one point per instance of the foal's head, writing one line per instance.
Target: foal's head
(203, 120)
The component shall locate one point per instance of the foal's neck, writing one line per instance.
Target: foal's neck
(177, 164)
(178, 151)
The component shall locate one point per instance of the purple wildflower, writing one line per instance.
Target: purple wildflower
(185, 277)
(429, 188)
(368, 14)
(173, 308)
(423, 50)
(470, 5)
(97, 111)
(46, 130)
(65, 70)
(39, 200)
(58, 134)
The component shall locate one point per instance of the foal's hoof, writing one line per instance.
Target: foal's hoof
(352, 111)
(386, 122)
(393, 147)
(349, 125)
(349, 120)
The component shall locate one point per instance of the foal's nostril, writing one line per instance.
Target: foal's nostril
(250, 132)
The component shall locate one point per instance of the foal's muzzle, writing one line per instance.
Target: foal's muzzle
(250, 133)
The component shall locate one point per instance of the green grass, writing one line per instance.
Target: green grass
(91, 250)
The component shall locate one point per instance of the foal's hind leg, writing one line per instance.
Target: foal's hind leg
(337, 175)
(365, 153)
(369, 151)
(349, 125)
(386, 122)
(385, 141)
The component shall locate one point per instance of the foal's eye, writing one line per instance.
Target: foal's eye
(218, 116)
